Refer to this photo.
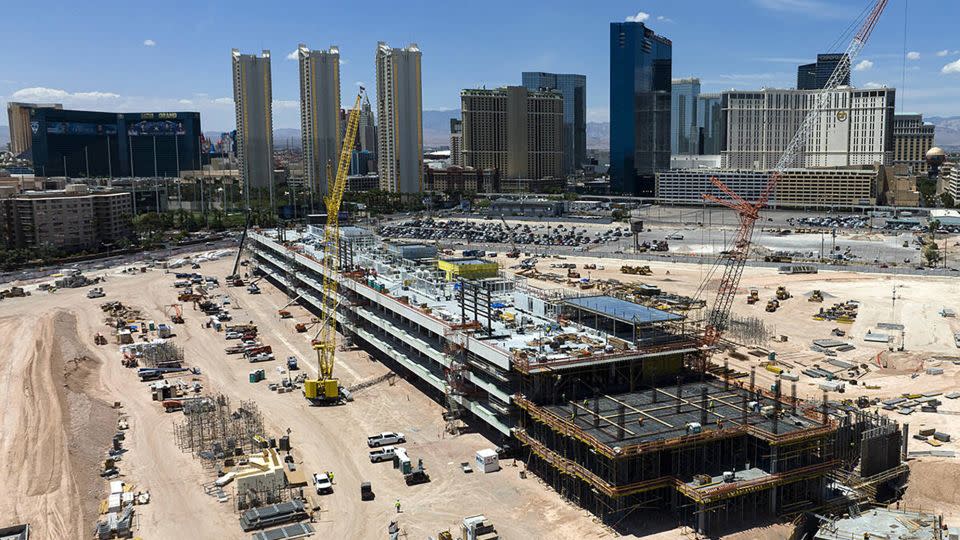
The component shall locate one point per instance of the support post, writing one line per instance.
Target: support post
(793, 396)
(703, 406)
(679, 395)
(621, 413)
(753, 377)
(596, 412)
(776, 407)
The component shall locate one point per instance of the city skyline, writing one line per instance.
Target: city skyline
(186, 72)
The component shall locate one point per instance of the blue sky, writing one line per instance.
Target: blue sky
(130, 56)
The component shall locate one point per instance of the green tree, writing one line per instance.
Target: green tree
(931, 253)
(947, 200)
(149, 227)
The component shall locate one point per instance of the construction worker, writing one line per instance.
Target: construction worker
(397, 504)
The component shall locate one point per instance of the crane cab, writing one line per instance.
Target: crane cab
(323, 392)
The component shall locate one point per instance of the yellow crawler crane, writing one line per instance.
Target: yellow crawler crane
(326, 389)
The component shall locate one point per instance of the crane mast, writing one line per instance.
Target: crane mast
(733, 259)
(326, 388)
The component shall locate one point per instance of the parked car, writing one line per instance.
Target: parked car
(385, 453)
(234, 335)
(321, 481)
(385, 438)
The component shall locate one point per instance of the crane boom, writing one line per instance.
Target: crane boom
(325, 387)
(733, 259)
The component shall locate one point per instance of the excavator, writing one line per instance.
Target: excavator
(326, 389)
(177, 317)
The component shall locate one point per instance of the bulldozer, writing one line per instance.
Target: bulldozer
(772, 306)
(782, 293)
(754, 296)
(99, 339)
(284, 314)
(636, 270)
(815, 296)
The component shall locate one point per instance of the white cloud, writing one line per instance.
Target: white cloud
(40, 93)
(285, 104)
(223, 101)
(149, 43)
(943, 52)
(639, 17)
(874, 85)
(913, 55)
(292, 55)
(952, 67)
(863, 65)
(185, 102)
(661, 18)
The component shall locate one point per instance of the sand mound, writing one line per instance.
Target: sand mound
(54, 433)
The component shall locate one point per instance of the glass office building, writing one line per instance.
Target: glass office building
(683, 116)
(708, 124)
(815, 76)
(103, 144)
(640, 80)
(573, 88)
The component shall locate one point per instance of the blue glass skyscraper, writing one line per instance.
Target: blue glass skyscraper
(573, 88)
(683, 116)
(708, 124)
(640, 78)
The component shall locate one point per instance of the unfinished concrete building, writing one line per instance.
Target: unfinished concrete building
(596, 391)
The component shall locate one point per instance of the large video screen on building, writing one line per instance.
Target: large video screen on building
(80, 128)
(156, 127)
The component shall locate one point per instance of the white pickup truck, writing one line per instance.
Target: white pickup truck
(385, 453)
(322, 482)
(385, 438)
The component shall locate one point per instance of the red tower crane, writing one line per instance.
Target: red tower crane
(733, 259)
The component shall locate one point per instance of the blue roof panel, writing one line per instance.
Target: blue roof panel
(622, 310)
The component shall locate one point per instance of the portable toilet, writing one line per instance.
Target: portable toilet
(487, 460)
(153, 326)
(401, 461)
(254, 376)
(163, 330)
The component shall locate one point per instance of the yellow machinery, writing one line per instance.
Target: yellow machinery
(325, 389)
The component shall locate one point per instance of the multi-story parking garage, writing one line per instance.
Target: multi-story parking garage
(593, 389)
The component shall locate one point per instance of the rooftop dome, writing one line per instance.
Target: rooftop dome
(936, 151)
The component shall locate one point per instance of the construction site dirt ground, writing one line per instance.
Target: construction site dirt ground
(59, 391)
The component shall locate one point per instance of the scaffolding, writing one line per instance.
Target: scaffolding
(212, 431)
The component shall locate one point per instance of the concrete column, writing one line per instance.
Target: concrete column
(793, 396)
(906, 439)
(774, 451)
(701, 519)
(596, 412)
(753, 377)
